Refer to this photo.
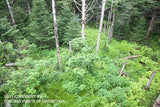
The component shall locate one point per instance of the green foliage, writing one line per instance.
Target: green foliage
(7, 32)
(40, 30)
(68, 23)
(137, 35)
(7, 53)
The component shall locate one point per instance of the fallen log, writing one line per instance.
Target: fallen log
(10, 64)
(130, 57)
(157, 103)
(150, 80)
(124, 64)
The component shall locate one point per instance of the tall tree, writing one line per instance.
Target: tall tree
(101, 25)
(112, 27)
(85, 9)
(10, 11)
(150, 28)
(68, 23)
(40, 29)
(56, 33)
(109, 22)
(83, 19)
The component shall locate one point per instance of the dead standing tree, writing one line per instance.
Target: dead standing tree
(109, 21)
(85, 8)
(150, 28)
(101, 25)
(56, 33)
(110, 24)
(10, 11)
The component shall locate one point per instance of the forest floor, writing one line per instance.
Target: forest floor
(116, 77)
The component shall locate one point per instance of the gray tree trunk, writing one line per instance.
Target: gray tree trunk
(150, 80)
(157, 103)
(150, 28)
(101, 25)
(10, 11)
(109, 22)
(83, 19)
(29, 9)
(112, 27)
(56, 34)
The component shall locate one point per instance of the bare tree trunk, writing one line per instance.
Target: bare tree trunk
(108, 26)
(29, 9)
(70, 47)
(109, 22)
(101, 25)
(104, 27)
(10, 11)
(157, 103)
(124, 64)
(56, 34)
(150, 28)
(150, 80)
(83, 19)
(112, 28)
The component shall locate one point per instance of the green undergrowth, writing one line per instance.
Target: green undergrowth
(86, 80)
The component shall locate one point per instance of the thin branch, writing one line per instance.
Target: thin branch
(78, 8)
(130, 57)
(77, 2)
(92, 6)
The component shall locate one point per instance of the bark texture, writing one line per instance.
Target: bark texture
(56, 33)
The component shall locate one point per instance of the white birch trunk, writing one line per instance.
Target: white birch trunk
(101, 25)
(10, 11)
(83, 19)
(56, 34)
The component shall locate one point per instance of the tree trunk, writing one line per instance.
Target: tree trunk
(70, 47)
(83, 19)
(108, 26)
(10, 11)
(109, 22)
(150, 80)
(29, 9)
(56, 34)
(101, 25)
(124, 64)
(150, 28)
(112, 27)
(104, 27)
(157, 103)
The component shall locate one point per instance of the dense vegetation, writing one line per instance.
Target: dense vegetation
(86, 79)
